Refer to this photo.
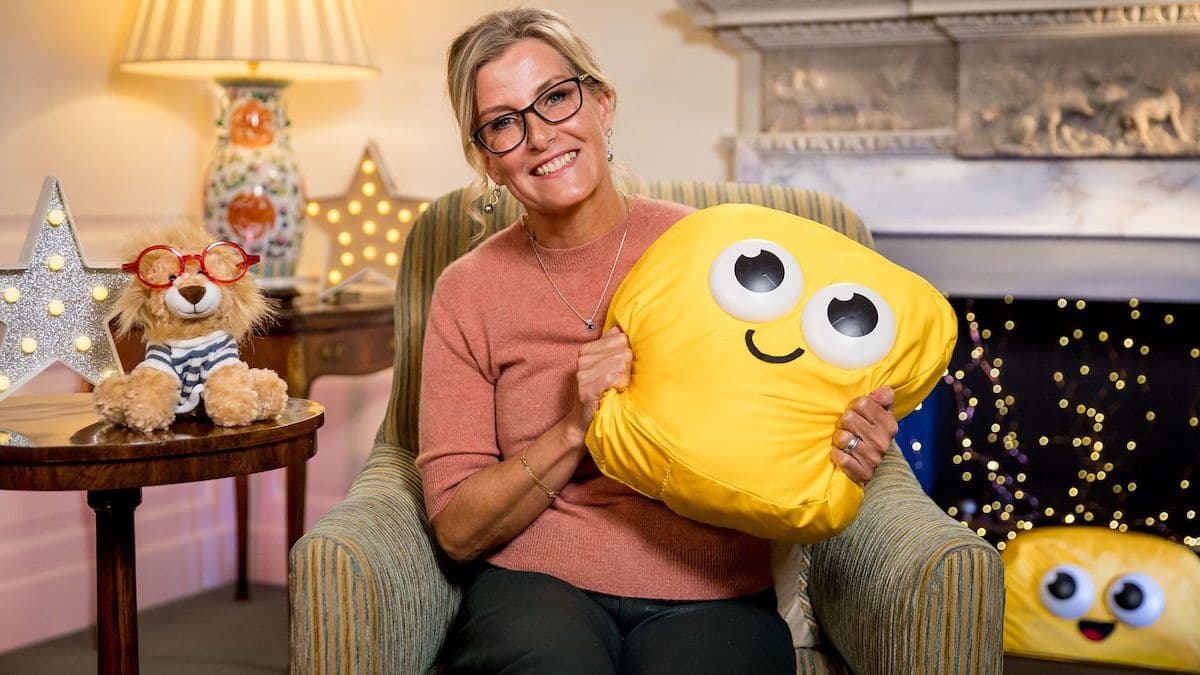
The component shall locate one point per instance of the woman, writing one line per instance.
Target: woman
(574, 572)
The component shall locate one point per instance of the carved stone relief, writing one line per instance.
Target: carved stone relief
(1079, 98)
(883, 88)
(836, 33)
(1175, 17)
(1017, 78)
(730, 12)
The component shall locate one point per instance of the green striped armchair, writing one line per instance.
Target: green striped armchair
(905, 589)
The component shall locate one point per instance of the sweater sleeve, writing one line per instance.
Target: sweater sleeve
(457, 409)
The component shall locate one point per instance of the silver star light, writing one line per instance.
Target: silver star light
(53, 304)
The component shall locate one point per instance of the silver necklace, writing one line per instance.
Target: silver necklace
(588, 322)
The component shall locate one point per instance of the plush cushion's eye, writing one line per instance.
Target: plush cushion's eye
(1067, 591)
(755, 280)
(848, 325)
(761, 274)
(856, 317)
(1136, 599)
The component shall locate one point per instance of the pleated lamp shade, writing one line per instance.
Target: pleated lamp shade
(260, 39)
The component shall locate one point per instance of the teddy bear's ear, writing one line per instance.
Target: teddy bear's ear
(247, 308)
(131, 308)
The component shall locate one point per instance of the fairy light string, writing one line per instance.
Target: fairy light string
(1073, 412)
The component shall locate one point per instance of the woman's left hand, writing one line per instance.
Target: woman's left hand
(870, 420)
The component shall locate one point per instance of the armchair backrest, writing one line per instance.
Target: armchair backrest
(444, 232)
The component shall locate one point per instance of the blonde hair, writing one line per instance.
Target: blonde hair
(486, 40)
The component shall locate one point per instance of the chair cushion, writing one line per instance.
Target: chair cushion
(790, 567)
(752, 329)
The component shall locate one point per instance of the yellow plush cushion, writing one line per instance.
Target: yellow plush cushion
(1092, 594)
(751, 330)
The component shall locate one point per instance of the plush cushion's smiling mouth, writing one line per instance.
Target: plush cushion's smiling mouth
(1095, 630)
(770, 358)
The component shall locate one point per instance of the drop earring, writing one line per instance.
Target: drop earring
(490, 206)
(608, 137)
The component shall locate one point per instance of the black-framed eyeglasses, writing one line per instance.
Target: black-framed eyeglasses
(557, 104)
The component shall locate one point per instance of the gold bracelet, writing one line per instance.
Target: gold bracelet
(550, 494)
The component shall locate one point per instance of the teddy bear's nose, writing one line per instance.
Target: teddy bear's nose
(192, 294)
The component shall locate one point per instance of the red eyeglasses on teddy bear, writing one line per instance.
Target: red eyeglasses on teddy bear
(194, 300)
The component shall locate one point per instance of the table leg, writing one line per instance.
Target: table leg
(297, 478)
(241, 488)
(116, 581)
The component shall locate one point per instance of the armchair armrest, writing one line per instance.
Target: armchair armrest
(906, 588)
(367, 594)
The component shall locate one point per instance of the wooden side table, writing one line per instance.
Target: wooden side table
(307, 340)
(56, 442)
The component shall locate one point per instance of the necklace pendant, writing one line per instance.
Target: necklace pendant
(590, 325)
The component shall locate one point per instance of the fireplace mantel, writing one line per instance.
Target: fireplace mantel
(1037, 147)
(733, 14)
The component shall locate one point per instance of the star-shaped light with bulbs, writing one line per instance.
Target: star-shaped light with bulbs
(55, 305)
(367, 224)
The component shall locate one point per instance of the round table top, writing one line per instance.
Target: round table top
(56, 441)
(64, 428)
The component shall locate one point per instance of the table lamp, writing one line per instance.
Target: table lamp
(253, 194)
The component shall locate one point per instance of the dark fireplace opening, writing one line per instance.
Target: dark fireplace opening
(1067, 411)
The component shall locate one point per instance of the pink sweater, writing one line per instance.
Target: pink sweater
(500, 350)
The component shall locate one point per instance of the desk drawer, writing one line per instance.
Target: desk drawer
(352, 351)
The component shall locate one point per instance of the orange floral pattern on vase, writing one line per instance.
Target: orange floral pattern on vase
(251, 216)
(252, 125)
(253, 193)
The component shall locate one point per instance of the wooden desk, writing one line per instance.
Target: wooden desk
(307, 340)
(56, 442)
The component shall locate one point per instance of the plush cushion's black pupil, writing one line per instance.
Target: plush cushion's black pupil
(855, 317)
(1130, 597)
(761, 274)
(1063, 586)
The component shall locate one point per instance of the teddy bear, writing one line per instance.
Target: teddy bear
(194, 299)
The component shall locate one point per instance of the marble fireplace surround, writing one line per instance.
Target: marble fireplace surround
(976, 212)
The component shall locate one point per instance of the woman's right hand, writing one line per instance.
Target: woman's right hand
(603, 364)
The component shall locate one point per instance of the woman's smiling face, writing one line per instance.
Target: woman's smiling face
(557, 166)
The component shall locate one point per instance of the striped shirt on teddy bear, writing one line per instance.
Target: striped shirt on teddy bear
(191, 361)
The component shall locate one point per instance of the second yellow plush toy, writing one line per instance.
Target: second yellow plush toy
(1093, 594)
(752, 330)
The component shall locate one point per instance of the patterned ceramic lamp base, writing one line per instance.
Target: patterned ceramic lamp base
(254, 195)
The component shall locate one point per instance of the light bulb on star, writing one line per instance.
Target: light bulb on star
(360, 242)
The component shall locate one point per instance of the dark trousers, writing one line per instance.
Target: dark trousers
(524, 622)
